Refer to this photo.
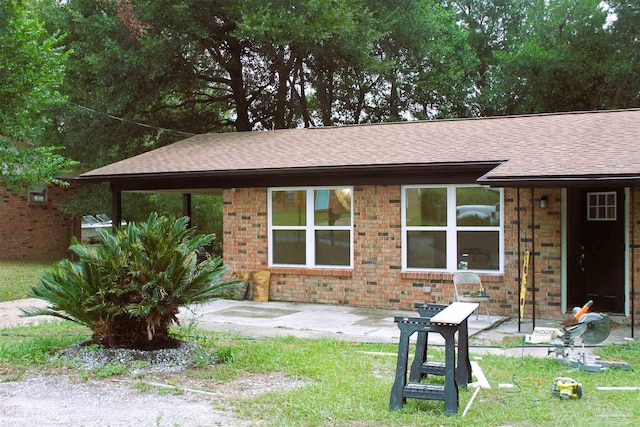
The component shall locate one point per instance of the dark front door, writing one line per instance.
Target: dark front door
(596, 249)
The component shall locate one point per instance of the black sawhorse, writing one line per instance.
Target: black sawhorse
(447, 322)
(421, 367)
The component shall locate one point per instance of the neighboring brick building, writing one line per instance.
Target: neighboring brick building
(384, 215)
(32, 227)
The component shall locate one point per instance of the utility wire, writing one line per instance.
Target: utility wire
(133, 122)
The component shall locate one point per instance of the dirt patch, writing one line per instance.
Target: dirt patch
(159, 400)
(154, 391)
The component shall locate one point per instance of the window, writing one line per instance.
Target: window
(452, 228)
(601, 206)
(311, 227)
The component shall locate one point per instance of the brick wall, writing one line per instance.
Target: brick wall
(545, 261)
(34, 231)
(377, 280)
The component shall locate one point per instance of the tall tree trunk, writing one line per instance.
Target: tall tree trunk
(394, 114)
(283, 70)
(324, 90)
(234, 68)
(304, 108)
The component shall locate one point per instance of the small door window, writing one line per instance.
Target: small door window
(601, 206)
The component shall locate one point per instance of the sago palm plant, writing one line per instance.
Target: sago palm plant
(129, 287)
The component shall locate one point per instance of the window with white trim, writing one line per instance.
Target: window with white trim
(452, 227)
(311, 227)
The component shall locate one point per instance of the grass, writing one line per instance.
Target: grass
(16, 278)
(348, 384)
(343, 383)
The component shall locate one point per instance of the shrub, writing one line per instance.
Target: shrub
(129, 287)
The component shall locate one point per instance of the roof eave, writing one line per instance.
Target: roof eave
(629, 180)
(321, 175)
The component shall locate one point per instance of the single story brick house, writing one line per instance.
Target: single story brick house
(32, 226)
(383, 215)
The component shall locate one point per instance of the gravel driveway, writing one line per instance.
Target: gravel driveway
(118, 401)
(59, 401)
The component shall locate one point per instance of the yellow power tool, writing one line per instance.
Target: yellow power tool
(566, 388)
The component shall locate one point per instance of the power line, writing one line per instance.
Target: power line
(133, 122)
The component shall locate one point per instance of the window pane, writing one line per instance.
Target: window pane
(289, 247)
(426, 249)
(426, 206)
(477, 206)
(332, 207)
(332, 247)
(289, 207)
(478, 250)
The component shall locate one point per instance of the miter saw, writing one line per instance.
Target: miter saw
(592, 328)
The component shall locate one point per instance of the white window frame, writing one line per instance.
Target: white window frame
(310, 228)
(451, 230)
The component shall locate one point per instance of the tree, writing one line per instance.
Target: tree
(23, 166)
(31, 72)
(541, 56)
(561, 62)
(624, 73)
(129, 287)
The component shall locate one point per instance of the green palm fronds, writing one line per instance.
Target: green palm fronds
(129, 287)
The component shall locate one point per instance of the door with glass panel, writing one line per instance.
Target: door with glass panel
(596, 248)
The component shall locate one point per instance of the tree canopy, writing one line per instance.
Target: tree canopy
(31, 75)
(145, 73)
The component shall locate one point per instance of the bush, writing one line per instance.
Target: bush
(129, 287)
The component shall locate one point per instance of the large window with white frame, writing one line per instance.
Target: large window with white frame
(311, 227)
(452, 227)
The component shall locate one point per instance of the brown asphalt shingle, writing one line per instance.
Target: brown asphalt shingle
(548, 145)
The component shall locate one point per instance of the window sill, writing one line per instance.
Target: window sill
(445, 275)
(332, 272)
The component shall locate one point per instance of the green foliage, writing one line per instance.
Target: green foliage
(25, 167)
(31, 71)
(129, 287)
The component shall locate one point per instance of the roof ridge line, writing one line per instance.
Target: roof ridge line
(461, 119)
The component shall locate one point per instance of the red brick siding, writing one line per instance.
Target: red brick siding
(34, 231)
(377, 280)
(245, 229)
(545, 261)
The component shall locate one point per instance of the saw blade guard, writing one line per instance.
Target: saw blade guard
(597, 327)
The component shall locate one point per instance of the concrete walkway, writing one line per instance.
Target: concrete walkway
(309, 320)
(332, 321)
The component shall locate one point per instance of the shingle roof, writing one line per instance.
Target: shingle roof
(551, 146)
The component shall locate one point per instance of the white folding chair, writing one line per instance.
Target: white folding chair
(471, 290)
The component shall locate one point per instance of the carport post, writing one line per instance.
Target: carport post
(186, 207)
(116, 208)
(633, 258)
(518, 269)
(533, 258)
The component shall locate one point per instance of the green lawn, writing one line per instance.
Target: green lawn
(348, 384)
(16, 278)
